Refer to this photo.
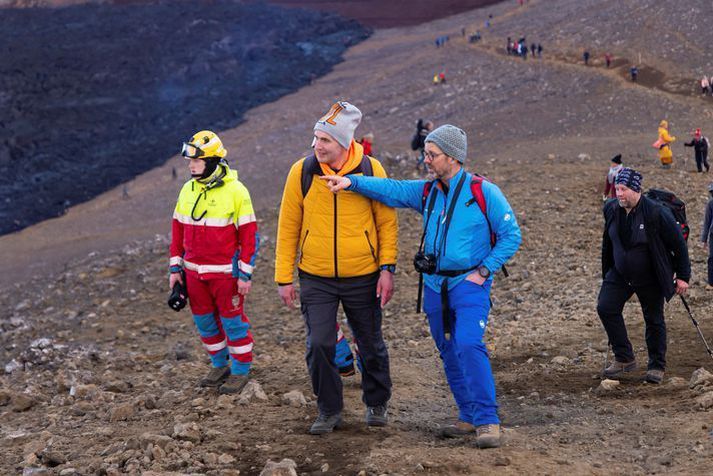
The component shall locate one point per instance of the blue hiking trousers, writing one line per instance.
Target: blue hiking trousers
(464, 355)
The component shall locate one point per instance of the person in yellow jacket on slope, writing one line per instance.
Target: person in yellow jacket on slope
(665, 154)
(345, 249)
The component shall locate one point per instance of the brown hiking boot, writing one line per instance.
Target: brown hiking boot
(488, 436)
(215, 377)
(654, 376)
(617, 368)
(458, 430)
(234, 384)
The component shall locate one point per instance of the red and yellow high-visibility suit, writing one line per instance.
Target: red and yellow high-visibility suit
(215, 240)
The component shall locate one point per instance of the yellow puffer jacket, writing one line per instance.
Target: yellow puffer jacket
(337, 235)
(665, 154)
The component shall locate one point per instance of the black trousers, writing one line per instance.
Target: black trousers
(710, 261)
(612, 297)
(320, 298)
(701, 162)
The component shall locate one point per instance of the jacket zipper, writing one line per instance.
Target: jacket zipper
(371, 248)
(336, 267)
(302, 248)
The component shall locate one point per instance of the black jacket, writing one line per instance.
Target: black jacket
(699, 145)
(666, 244)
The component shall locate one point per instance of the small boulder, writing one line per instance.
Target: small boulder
(701, 378)
(294, 398)
(606, 386)
(187, 432)
(252, 391)
(122, 412)
(705, 401)
(286, 467)
(560, 360)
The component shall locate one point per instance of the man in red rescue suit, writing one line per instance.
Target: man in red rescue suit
(214, 240)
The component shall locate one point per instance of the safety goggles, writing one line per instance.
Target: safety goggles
(191, 151)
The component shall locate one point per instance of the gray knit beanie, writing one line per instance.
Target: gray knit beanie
(452, 140)
(340, 122)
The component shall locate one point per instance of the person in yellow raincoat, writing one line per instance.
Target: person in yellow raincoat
(665, 139)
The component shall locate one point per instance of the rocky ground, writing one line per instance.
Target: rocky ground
(101, 375)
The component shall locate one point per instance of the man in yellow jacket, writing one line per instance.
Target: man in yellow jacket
(345, 247)
(665, 154)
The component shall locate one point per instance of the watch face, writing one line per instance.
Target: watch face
(483, 271)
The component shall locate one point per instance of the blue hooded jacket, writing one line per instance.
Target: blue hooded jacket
(467, 241)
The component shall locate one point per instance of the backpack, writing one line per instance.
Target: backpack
(476, 188)
(676, 205)
(311, 167)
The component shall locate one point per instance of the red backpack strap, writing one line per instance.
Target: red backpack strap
(476, 188)
(426, 190)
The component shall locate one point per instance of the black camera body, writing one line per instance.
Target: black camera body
(424, 263)
(178, 298)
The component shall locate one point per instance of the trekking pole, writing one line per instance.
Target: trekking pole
(710, 352)
(420, 292)
(606, 357)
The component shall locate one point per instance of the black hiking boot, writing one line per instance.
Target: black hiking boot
(617, 368)
(234, 384)
(377, 416)
(325, 424)
(215, 377)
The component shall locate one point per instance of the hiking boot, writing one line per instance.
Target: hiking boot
(488, 436)
(654, 376)
(347, 370)
(458, 430)
(617, 368)
(376, 416)
(215, 377)
(234, 384)
(325, 424)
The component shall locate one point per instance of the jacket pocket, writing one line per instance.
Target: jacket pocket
(302, 248)
(371, 247)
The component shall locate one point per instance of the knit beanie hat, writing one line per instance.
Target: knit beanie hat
(616, 159)
(340, 122)
(452, 140)
(630, 178)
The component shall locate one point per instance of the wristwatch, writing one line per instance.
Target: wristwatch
(483, 271)
(391, 268)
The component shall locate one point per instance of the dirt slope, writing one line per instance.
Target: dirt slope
(543, 130)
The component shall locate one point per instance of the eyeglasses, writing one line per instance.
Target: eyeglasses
(430, 155)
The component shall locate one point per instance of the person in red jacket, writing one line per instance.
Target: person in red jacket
(214, 241)
(609, 183)
(366, 142)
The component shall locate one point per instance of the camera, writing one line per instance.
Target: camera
(177, 299)
(424, 263)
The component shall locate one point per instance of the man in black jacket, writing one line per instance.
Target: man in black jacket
(700, 145)
(643, 253)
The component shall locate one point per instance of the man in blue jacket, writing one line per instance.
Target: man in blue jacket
(458, 258)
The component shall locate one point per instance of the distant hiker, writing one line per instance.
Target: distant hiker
(665, 140)
(643, 253)
(707, 233)
(462, 32)
(458, 258)
(634, 72)
(366, 142)
(700, 146)
(347, 247)
(508, 47)
(705, 85)
(609, 184)
(214, 241)
(436, 78)
(423, 128)
(539, 50)
(607, 59)
(533, 49)
(585, 55)
(442, 77)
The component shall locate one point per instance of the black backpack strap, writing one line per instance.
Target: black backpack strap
(365, 167)
(310, 167)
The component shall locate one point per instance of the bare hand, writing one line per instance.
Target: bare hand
(476, 278)
(385, 287)
(287, 294)
(681, 287)
(244, 287)
(336, 182)
(173, 279)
